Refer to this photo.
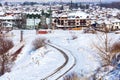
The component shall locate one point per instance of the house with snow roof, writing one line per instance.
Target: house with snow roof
(10, 20)
(107, 24)
(116, 24)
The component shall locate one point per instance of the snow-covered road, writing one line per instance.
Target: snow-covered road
(63, 69)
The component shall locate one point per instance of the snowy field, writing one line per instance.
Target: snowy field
(35, 65)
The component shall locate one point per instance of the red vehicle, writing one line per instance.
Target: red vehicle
(43, 31)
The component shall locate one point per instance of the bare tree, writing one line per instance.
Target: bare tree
(107, 51)
(5, 58)
(104, 48)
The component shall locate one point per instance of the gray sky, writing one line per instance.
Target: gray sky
(57, 0)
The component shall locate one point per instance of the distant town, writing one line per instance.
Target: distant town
(60, 15)
(60, 40)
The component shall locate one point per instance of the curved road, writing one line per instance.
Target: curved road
(69, 63)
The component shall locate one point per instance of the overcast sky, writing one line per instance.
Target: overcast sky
(57, 0)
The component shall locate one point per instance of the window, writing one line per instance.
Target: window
(62, 22)
(73, 16)
(77, 23)
(77, 20)
(77, 17)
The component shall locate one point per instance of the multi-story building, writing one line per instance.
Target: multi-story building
(77, 19)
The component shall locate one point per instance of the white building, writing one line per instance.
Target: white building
(31, 23)
(32, 19)
(116, 24)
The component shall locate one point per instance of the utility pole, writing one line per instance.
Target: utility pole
(21, 36)
(50, 12)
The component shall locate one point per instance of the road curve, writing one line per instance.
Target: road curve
(69, 63)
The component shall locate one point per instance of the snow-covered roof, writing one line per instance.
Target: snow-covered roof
(80, 14)
(9, 17)
(17, 12)
(100, 22)
(104, 21)
(115, 21)
(32, 12)
(107, 22)
(64, 15)
(2, 13)
(55, 15)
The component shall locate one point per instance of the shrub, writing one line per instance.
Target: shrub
(115, 53)
(115, 47)
(5, 45)
(74, 37)
(72, 76)
(38, 43)
(5, 58)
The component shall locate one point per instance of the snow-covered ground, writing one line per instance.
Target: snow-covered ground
(35, 65)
